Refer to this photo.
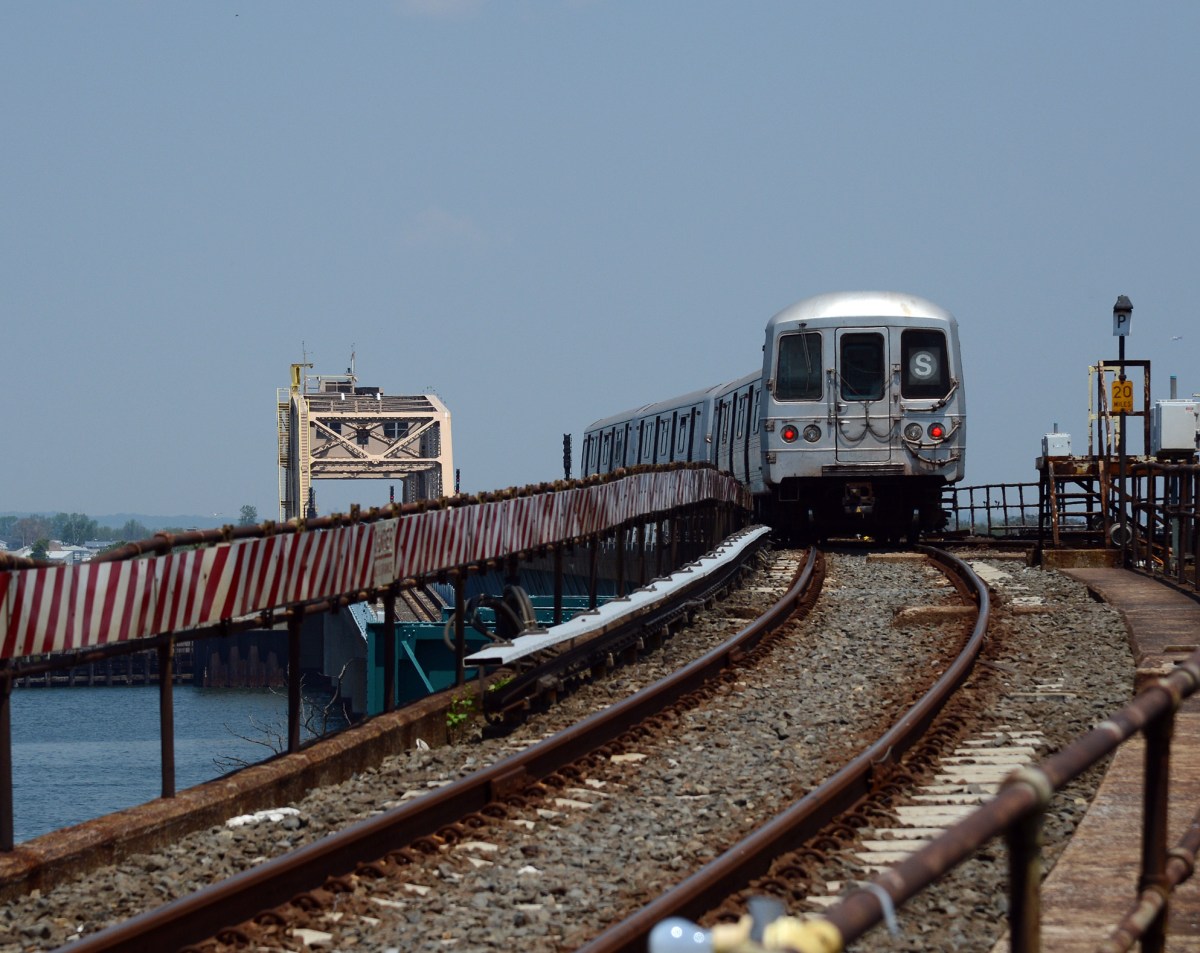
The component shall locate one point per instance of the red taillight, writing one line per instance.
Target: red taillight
(789, 434)
(937, 432)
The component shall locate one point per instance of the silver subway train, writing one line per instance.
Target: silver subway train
(854, 424)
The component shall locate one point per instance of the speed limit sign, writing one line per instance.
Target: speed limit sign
(1122, 397)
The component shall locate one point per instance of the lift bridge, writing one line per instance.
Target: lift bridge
(331, 428)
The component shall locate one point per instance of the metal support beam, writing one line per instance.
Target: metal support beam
(389, 649)
(6, 765)
(558, 585)
(295, 621)
(166, 714)
(460, 630)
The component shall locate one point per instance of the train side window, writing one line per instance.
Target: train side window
(862, 366)
(606, 452)
(740, 404)
(754, 412)
(618, 448)
(681, 439)
(664, 440)
(798, 373)
(923, 364)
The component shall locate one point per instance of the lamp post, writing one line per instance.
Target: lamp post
(1122, 322)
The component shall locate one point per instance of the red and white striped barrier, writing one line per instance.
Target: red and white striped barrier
(64, 608)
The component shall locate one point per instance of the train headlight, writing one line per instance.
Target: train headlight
(937, 431)
(912, 433)
(812, 433)
(789, 434)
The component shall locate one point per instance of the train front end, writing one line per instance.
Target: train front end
(864, 416)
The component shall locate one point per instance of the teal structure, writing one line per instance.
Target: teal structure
(424, 663)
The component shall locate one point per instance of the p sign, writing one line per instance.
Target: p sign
(1122, 317)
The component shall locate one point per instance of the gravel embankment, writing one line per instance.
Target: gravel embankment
(1059, 672)
(652, 820)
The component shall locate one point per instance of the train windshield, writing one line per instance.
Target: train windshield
(798, 376)
(923, 358)
(862, 366)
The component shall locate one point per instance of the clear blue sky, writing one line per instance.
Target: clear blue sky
(551, 211)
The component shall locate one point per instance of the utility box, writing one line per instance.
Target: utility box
(1056, 445)
(1175, 428)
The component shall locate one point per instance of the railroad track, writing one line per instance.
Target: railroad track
(437, 817)
(434, 866)
(726, 877)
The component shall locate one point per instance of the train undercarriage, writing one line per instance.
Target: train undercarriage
(890, 509)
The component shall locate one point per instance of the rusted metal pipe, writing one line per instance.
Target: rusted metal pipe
(1154, 818)
(1024, 837)
(860, 911)
(1152, 902)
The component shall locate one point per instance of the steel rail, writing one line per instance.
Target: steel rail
(1022, 797)
(200, 915)
(751, 857)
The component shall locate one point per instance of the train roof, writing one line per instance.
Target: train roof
(863, 304)
(671, 403)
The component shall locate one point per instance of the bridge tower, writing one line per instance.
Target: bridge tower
(331, 428)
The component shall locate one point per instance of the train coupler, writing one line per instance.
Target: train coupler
(859, 499)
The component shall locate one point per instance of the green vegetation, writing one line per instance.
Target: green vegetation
(458, 716)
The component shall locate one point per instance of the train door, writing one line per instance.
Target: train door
(863, 409)
(719, 443)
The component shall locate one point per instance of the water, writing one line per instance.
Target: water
(79, 753)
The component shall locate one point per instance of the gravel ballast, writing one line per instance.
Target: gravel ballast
(654, 818)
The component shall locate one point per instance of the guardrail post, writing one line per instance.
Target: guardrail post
(641, 544)
(620, 540)
(460, 629)
(1024, 841)
(659, 549)
(676, 530)
(295, 620)
(558, 584)
(1154, 824)
(166, 714)
(593, 569)
(389, 649)
(6, 779)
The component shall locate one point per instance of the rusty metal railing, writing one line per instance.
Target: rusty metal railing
(1015, 814)
(1164, 502)
(209, 583)
(993, 509)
